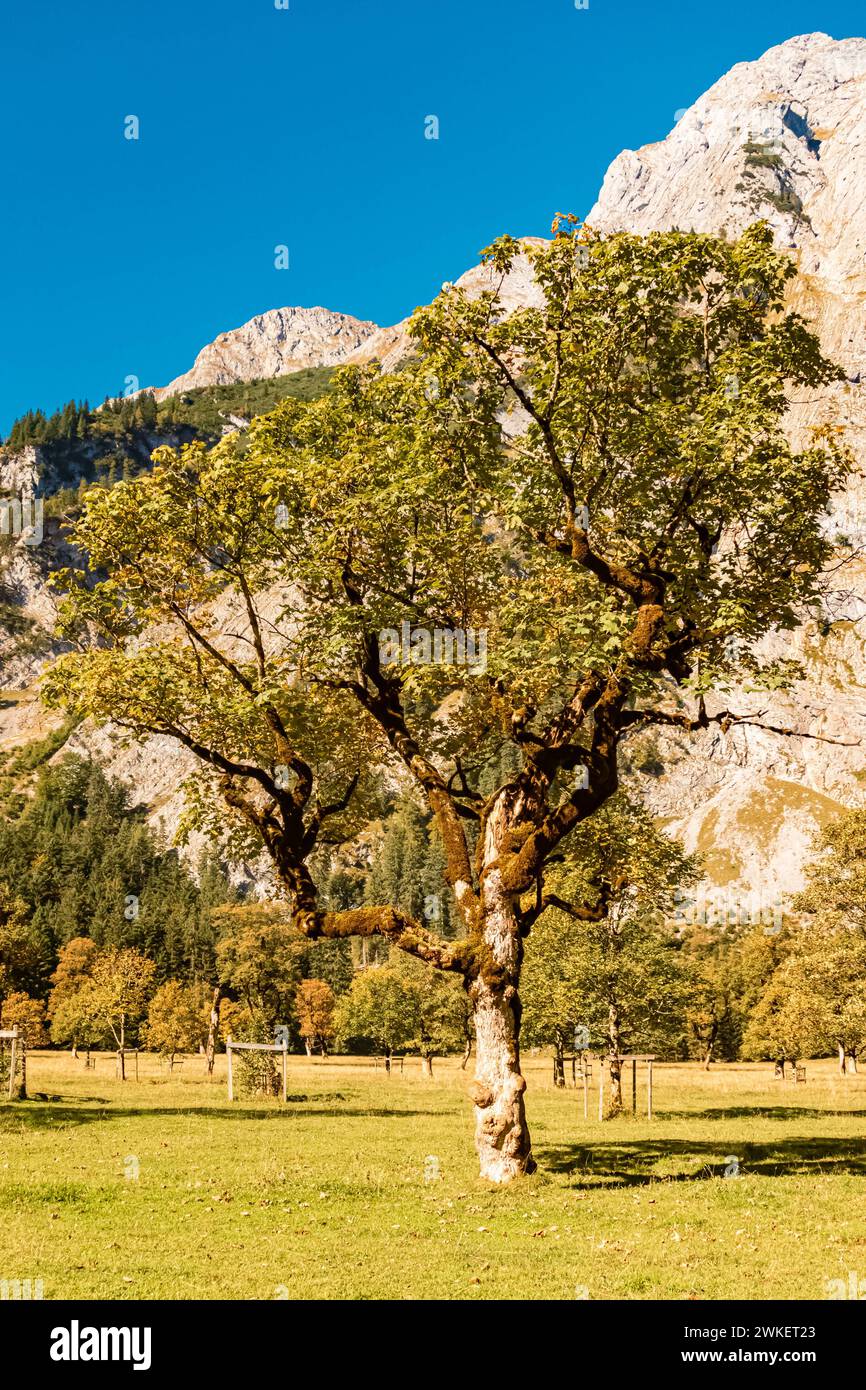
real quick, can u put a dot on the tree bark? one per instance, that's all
(614, 1059)
(852, 1063)
(842, 1061)
(501, 1133)
(213, 1029)
(559, 1060)
(467, 1053)
(427, 1067)
(615, 1102)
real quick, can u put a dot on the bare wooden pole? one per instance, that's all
(583, 1079)
(634, 1085)
(649, 1089)
(601, 1088)
(285, 1074)
(229, 1056)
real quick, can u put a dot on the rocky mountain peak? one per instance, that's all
(781, 138)
(273, 344)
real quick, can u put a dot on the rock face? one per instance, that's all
(273, 344)
(782, 138)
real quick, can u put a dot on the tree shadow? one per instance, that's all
(630, 1163)
(762, 1112)
(40, 1115)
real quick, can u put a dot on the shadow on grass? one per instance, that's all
(36, 1114)
(635, 1163)
(761, 1112)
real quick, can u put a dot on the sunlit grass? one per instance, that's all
(335, 1195)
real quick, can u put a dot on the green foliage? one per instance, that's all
(314, 1003)
(621, 977)
(760, 157)
(82, 863)
(408, 869)
(814, 1002)
(21, 962)
(260, 957)
(404, 1005)
(108, 1003)
(177, 1018)
(204, 411)
(27, 1015)
(395, 472)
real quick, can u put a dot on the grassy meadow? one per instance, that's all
(363, 1187)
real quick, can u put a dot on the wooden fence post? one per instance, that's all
(12, 1060)
(285, 1073)
(601, 1088)
(634, 1085)
(649, 1090)
(229, 1056)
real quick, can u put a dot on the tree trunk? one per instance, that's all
(842, 1064)
(121, 1063)
(708, 1057)
(308, 1047)
(467, 1053)
(779, 1069)
(852, 1063)
(559, 1060)
(427, 1067)
(388, 1063)
(614, 1060)
(501, 1132)
(213, 1029)
(615, 1102)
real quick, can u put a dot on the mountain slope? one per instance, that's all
(782, 138)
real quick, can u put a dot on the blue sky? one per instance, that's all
(305, 127)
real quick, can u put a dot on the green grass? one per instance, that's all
(326, 1197)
